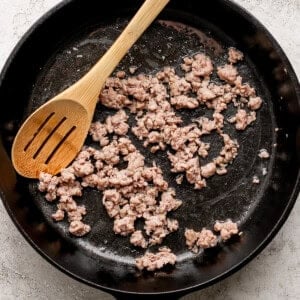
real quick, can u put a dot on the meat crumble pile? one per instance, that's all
(140, 191)
(207, 238)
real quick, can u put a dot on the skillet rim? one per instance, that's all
(285, 214)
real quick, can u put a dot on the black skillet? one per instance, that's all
(47, 60)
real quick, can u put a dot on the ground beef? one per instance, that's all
(227, 229)
(58, 215)
(228, 73)
(138, 190)
(137, 239)
(243, 119)
(98, 132)
(254, 103)
(203, 239)
(206, 239)
(117, 123)
(208, 170)
(196, 240)
(78, 228)
(234, 55)
(154, 261)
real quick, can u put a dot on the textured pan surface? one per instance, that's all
(230, 196)
(107, 260)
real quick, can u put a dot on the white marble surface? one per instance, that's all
(274, 274)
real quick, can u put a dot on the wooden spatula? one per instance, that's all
(53, 135)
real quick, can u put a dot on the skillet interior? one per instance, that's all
(47, 63)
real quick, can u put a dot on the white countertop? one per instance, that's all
(274, 274)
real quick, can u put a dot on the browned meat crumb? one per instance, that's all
(78, 228)
(191, 237)
(137, 239)
(227, 229)
(202, 65)
(234, 55)
(242, 119)
(140, 191)
(208, 170)
(117, 123)
(187, 64)
(203, 239)
(154, 261)
(59, 215)
(125, 225)
(263, 153)
(244, 90)
(228, 152)
(48, 184)
(228, 73)
(206, 239)
(183, 101)
(98, 132)
(254, 103)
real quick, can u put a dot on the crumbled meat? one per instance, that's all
(244, 90)
(117, 123)
(254, 103)
(183, 101)
(263, 153)
(48, 184)
(98, 132)
(208, 170)
(242, 119)
(137, 239)
(228, 73)
(234, 55)
(206, 239)
(113, 94)
(76, 215)
(227, 229)
(191, 237)
(168, 201)
(58, 215)
(133, 189)
(154, 261)
(204, 94)
(125, 225)
(203, 239)
(78, 228)
(202, 65)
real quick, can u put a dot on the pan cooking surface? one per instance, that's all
(56, 53)
(230, 196)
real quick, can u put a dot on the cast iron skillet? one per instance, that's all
(46, 61)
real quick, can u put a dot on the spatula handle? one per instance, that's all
(93, 81)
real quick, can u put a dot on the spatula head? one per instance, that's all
(50, 138)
